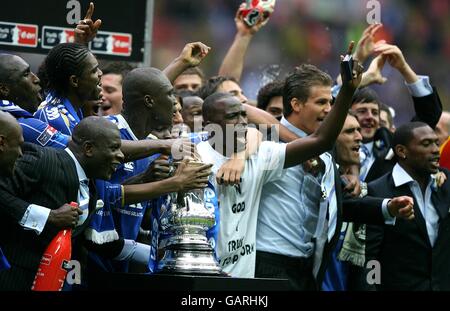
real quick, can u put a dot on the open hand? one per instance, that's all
(192, 175)
(366, 43)
(373, 74)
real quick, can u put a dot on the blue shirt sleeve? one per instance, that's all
(40, 133)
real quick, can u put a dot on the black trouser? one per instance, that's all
(297, 270)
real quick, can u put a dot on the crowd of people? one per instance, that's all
(313, 182)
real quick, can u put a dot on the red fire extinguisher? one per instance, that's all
(52, 270)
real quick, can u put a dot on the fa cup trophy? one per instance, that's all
(183, 237)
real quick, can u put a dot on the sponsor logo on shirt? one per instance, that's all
(46, 135)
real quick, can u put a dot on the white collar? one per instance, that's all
(292, 128)
(401, 177)
(80, 171)
(325, 157)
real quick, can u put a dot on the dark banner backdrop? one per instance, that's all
(36, 26)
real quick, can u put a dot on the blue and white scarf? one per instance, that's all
(13, 109)
(101, 228)
(59, 113)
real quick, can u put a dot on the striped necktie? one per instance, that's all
(364, 156)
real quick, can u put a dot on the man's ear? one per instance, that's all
(148, 101)
(401, 152)
(73, 81)
(296, 104)
(4, 91)
(88, 149)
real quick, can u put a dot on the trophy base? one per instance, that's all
(190, 262)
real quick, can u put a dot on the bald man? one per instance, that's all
(20, 96)
(52, 177)
(149, 107)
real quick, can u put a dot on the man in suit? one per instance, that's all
(12, 208)
(52, 177)
(301, 252)
(376, 158)
(376, 153)
(10, 142)
(240, 204)
(414, 255)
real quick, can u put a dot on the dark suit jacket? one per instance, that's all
(365, 210)
(46, 177)
(428, 109)
(368, 210)
(408, 262)
(43, 176)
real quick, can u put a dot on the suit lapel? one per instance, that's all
(440, 203)
(419, 219)
(70, 174)
(380, 166)
(92, 206)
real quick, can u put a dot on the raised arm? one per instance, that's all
(364, 49)
(261, 117)
(233, 63)
(186, 178)
(366, 44)
(373, 74)
(86, 29)
(427, 103)
(396, 59)
(191, 55)
(135, 150)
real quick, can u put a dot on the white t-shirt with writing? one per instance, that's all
(236, 247)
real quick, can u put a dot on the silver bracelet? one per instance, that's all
(363, 186)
